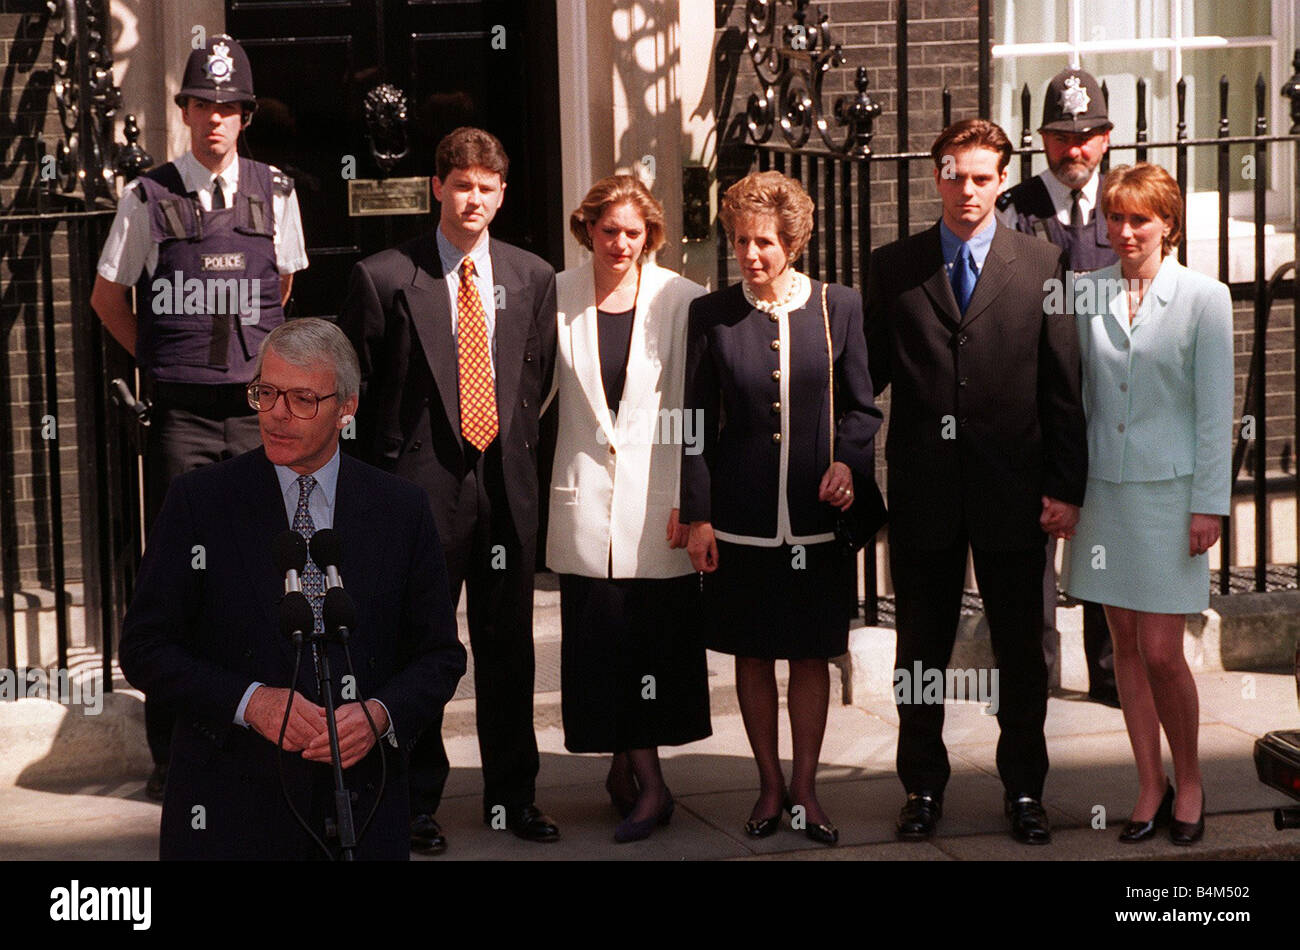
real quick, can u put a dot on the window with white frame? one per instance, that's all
(1120, 41)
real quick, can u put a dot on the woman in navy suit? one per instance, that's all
(1156, 340)
(763, 497)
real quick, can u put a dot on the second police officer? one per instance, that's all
(210, 241)
(1060, 205)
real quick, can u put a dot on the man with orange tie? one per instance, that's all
(455, 333)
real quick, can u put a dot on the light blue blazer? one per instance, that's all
(1158, 394)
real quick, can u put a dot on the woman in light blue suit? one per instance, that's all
(1156, 340)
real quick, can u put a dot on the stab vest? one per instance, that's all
(1031, 204)
(201, 316)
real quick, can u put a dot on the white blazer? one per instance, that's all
(616, 480)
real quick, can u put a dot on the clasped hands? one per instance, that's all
(307, 732)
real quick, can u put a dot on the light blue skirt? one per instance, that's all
(1130, 548)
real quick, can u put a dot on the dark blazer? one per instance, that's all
(733, 378)
(398, 316)
(985, 415)
(203, 625)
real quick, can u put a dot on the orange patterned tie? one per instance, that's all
(478, 399)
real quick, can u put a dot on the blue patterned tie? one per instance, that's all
(313, 581)
(963, 277)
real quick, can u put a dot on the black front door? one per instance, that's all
(488, 63)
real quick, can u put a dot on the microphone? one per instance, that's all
(326, 552)
(290, 552)
(339, 612)
(296, 618)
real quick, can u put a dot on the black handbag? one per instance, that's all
(867, 515)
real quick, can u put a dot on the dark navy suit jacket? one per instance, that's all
(734, 377)
(203, 625)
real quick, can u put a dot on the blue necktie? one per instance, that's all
(963, 277)
(313, 581)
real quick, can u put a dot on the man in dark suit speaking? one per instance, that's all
(986, 450)
(455, 332)
(202, 630)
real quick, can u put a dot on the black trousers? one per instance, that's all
(927, 588)
(485, 556)
(189, 427)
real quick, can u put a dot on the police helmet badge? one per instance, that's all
(1074, 98)
(220, 65)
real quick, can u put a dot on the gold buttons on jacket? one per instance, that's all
(776, 408)
(776, 437)
(776, 344)
(776, 375)
(773, 317)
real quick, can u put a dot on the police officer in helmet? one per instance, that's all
(210, 241)
(1060, 205)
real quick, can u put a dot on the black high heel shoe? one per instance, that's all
(1189, 832)
(823, 834)
(1135, 831)
(766, 827)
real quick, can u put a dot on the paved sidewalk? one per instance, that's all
(715, 785)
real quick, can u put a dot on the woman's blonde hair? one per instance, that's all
(770, 193)
(610, 192)
(1145, 187)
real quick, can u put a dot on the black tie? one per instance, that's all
(219, 197)
(1076, 213)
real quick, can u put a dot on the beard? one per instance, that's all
(1072, 174)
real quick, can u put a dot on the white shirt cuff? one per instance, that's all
(243, 705)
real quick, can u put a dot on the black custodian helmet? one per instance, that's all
(218, 72)
(1074, 103)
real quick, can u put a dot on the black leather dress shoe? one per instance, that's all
(920, 813)
(156, 787)
(427, 836)
(528, 822)
(1188, 832)
(1135, 831)
(1029, 824)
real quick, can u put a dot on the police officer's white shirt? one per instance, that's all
(450, 256)
(130, 251)
(1060, 195)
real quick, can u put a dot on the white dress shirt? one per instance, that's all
(130, 250)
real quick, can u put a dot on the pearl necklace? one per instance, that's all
(798, 289)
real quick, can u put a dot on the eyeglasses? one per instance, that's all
(302, 403)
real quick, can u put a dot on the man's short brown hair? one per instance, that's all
(972, 133)
(468, 147)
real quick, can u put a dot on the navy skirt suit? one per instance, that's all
(759, 384)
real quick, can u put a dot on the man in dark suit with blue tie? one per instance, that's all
(202, 630)
(986, 451)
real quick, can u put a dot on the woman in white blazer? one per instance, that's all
(633, 673)
(1156, 341)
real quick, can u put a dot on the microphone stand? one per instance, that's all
(341, 826)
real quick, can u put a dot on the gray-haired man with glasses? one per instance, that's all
(202, 633)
